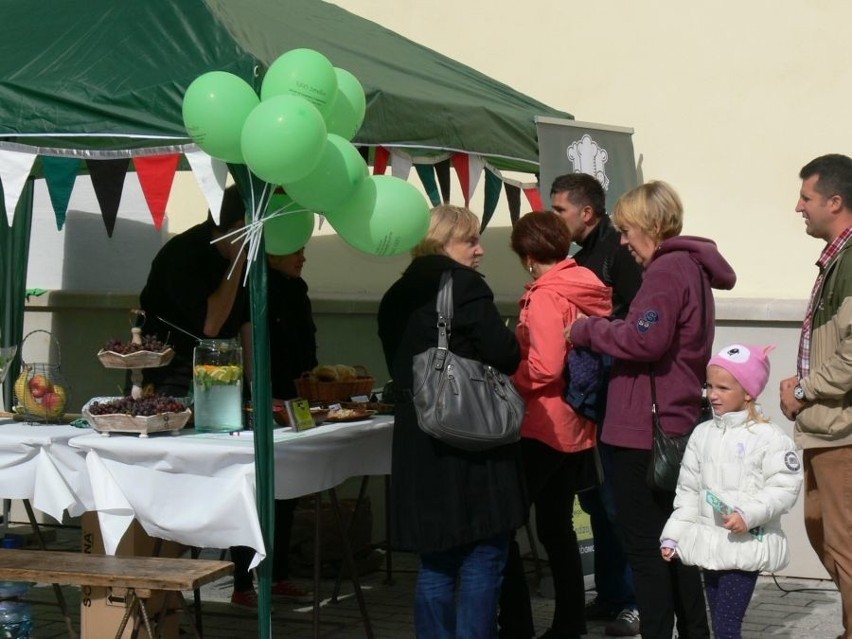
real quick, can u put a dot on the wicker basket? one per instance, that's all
(315, 390)
(41, 390)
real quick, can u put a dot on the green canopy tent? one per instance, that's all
(104, 80)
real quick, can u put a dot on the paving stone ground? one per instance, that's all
(791, 608)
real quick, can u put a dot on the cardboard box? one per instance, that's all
(101, 609)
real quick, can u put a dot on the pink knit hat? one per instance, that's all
(749, 364)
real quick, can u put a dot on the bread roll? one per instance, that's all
(326, 373)
(346, 373)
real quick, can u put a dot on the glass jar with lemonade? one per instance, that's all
(217, 381)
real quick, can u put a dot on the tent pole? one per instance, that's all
(261, 393)
(15, 247)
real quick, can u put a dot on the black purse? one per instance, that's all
(666, 451)
(463, 402)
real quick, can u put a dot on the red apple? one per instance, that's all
(39, 385)
(52, 401)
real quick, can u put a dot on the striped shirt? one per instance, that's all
(828, 253)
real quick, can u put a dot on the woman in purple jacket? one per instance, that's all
(669, 329)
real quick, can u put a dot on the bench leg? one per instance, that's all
(135, 601)
(57, 590)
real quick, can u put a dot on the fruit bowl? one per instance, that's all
(143, 425)
(138, 359)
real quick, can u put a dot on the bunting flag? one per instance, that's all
(212, 177)
(513, 198)
(400, 165)
(442, 171)
(15, 168)
(156, 177)
(380, 160)
(469, 170)
(533, 196)
(492, 196)
(60, 174)
(108, 182)
(156, 174)
(430, 185)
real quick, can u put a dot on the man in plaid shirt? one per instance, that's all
(819, 397)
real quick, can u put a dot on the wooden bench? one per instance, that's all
(139, 575)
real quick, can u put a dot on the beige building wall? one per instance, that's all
(728, 99)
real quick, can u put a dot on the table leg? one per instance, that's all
(349, 526)
(317, 560)
(350, 562)
(57, 590)
(389, 555)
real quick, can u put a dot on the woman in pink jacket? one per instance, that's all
(557, 444)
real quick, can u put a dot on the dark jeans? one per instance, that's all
(663, 589)
(553, 478)
(457, 591)
(613, 577)
(728, 595)
(242, 555)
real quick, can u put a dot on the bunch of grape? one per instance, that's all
(149, 343)
(142, 407)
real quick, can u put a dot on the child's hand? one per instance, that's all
(734, 522)
(668, 553)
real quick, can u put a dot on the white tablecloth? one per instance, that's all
(199, 489)
(36, 463)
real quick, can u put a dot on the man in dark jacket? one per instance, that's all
(579, 199)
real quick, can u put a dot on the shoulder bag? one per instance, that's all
(666, 451)
(459, 401)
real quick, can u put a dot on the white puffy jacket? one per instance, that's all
(752, 467)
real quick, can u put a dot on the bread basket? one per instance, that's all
(314, 390)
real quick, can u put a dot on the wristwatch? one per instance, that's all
(799, 393)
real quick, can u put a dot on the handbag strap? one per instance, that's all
(654, 411)
(444, 307)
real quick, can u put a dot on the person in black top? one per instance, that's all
(292, 350)
(195, 291)
(579, 199)
(191, 294)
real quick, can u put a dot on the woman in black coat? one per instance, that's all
(456, 509)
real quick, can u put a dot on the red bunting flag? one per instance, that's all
(533, 196)
(380, 160)
(156, 174)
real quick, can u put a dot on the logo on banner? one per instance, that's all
(588, 157)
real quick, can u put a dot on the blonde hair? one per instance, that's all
(654, 207)
(754, 414)
(447, 223)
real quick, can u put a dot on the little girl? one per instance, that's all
(740, 473)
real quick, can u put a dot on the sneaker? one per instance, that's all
(596, 611)
(244, 599)
(289, 590)
(626, 624)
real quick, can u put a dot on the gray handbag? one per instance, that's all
(463, 402)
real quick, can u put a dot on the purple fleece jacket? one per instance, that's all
(664, 327)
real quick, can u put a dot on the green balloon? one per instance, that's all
(340, 170)
(304, 73)
(283, 139)
(350, 105)
(287, 233)
(215, 107)
(385, 216)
